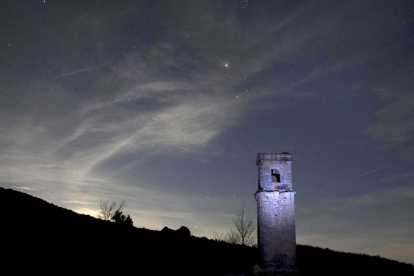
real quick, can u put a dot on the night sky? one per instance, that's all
(166, 104)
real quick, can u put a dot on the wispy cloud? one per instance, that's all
(24, 188)
(395, 121)
(382, 196)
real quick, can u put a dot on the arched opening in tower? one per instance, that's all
(275, 176)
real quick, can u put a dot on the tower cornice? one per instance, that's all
(284, 156)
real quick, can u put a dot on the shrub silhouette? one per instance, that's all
(183, 232)
(122, 219)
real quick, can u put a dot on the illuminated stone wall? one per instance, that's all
(276, 213)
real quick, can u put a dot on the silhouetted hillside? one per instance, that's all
(39, 236)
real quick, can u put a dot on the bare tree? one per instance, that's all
(245, 228)
(244, 232)
(232, 237)
(108, 210)
(218, 236)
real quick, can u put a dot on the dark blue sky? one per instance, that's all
(166, 104)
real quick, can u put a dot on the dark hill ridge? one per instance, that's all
(41, 237)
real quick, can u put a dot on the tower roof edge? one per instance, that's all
(284, 156)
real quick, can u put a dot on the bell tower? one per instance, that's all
(276, 213)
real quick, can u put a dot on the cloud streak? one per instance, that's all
(81, 70)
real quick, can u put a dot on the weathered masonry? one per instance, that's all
(276, 213)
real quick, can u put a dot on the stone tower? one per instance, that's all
(276, 213)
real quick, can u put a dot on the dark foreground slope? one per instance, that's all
(39, 236)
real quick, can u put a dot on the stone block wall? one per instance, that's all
(276, 229)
